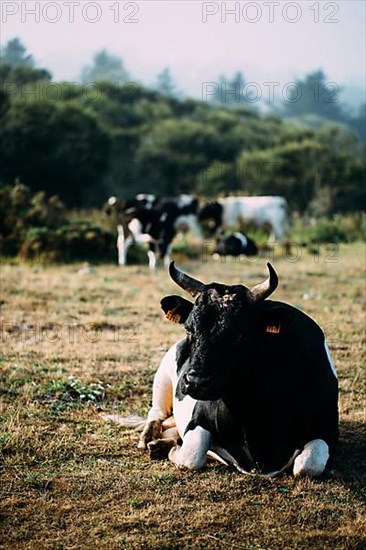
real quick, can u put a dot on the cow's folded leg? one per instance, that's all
(153, 430)
(193, 451)
(159, 449)
(159, 416)
(312, 460)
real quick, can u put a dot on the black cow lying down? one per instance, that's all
(236, 245)
(252, 383)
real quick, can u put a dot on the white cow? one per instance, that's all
(229, 211)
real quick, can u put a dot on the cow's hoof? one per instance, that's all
(152, 431)
(160, 448)
(312, 460)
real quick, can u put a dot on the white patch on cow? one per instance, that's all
(112, 201)
(183, 411)
(242, 238)
(165, 381)
(312, 460)
(260, 210)
(193, 452)
(184, 199)
(135, 227)
(330, 359)
(148, 197)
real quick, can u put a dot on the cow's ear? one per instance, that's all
(176, 308)
(277, 320)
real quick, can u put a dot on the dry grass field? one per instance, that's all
(76, 346)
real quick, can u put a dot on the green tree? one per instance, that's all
(173, 153)
(105, 67)
(320, 175)
(358, 123)
(15, 53)
(166, 85)
(22, 74)
(314, 95)
(232, 92)
(55, 147)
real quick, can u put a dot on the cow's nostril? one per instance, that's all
(191, 380)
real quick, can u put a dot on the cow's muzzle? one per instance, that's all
(198, 387)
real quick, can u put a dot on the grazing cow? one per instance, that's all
(183, 209)
(252, 382)
(236, 245)
(147, 219)
(230, 211)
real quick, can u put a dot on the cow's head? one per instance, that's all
(216, 324)
(211, 214)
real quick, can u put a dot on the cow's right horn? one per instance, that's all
(263, 290)
(186, 282)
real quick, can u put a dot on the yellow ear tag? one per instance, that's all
(174, 317)
(273, 329)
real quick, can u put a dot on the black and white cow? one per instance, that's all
(152, 220)
(251, 382)
(182, 210)
(228, 212)
(236, 245)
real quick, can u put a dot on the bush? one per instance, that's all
(338, 229)
(327, 231)
(68, 243)
(36, 227)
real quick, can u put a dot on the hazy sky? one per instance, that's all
(268, 41)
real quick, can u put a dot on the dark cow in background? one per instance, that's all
(251, 382)
(236, 245)
(226, 213)
(152, 220)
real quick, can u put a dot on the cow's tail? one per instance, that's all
(133, 422)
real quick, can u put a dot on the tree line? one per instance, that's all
(108, 135)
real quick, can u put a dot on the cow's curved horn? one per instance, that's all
(186, 282)
(263, 290)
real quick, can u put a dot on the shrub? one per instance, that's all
(36, 227)
(337, 229)
(68, 243)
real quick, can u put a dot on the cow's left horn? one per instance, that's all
(186, 282)
(263, 290)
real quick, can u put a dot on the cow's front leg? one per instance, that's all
(159, 416)
(312, 460)
(193, 451)
(159, 448)
(123, 244)
(153, 430)
(167, 257)
(152, 259)
(156, 429)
